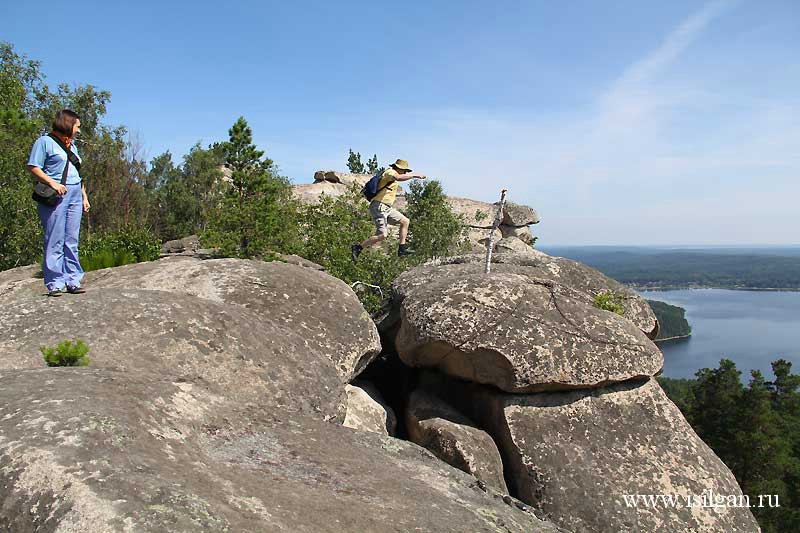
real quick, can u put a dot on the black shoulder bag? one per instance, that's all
(45, 194)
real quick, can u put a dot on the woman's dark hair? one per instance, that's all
(64, 121)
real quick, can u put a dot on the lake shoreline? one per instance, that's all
(675, 338)
(751, 328)
(666, 288)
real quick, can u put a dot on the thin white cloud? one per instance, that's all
(636, 161)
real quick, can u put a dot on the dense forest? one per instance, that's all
(229, 193)
(754, 429)
(671, 320)
(651, 268)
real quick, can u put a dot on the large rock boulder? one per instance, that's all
(476, 214)
(453, 438)
(519, 215)
(188, 245)
(581, 458)
(515, 330)
(320, 308)
(303, 332)
(582, 282)
(522, 233)
(99, 450)
(180, 338)
(513, 245)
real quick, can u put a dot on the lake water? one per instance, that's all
(752, 328)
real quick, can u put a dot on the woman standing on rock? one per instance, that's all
(54, 162)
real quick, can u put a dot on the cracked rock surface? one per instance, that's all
(320, 309)
(582, 282)
(91, 449)
(213, 402)
(574, 455)
(515, 330)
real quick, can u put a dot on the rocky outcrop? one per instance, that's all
(453, 438)
(581, 425)
(513, 245)
(213, 402)
(188, 245)
(101, 450)
(522, 233)
(576, 457)
(345, 178)
(515, 330)
(478, 216)
(580, 281)
(518, 216)
(319, 307)
(366, 410)
(311, 193)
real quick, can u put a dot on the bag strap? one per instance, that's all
(64, 174)
(71, 157)
(387, 184)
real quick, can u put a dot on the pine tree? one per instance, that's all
(716, 395)
(257, 214)
(354, 163)
(372, 165)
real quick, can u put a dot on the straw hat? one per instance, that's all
(401, 164)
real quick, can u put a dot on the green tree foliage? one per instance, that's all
(753, 429)
(132, 244)
(187, 195)
(115, 175)
(66, 353)
(671, 320)
(678, 390)
(257, 213)
(435, 231)
(333, 225)
(372, 165)
(354, 163)
(718, 391)
(21, 92)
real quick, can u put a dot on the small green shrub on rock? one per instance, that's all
(610, 301)
(115, 248)
(66, 353)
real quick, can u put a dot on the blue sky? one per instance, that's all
(626, 122)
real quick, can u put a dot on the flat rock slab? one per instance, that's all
(321, 309)
(454, 438)
(514, 331)
(103, 451)
(583, 282)
(574, 456)
(183, 338)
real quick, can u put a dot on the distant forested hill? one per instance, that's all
(671, 319)
(642, 267)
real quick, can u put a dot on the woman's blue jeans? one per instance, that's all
(62, 226)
